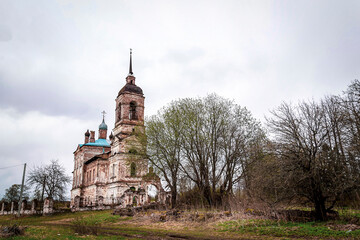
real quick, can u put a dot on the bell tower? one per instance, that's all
(129, 111)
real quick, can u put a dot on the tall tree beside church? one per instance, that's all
(208, 140)
(164, 145)
(219, 140)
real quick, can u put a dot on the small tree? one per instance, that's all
(12, 194)
(50, 180)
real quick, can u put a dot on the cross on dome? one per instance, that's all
(103, 125)
(103, 113)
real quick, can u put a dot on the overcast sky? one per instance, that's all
(63, 62)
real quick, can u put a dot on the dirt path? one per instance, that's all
(151, 235)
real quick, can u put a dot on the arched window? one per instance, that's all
(132, 111)
(119, 112)
(134, 201)
(133, 169)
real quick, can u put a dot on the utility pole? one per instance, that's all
(42, 193)
(21, 191)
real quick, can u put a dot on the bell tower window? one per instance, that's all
(119, 112)
(132, 111)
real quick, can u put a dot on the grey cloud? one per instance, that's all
(5, 33)
(183, 56)
(46, 98)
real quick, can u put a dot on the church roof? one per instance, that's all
(130, 81)
(103, 125)
(131, 88)
(97, 143)
(103, 156)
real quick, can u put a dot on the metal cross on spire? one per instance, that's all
(103, 113)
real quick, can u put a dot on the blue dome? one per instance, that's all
(103, 125)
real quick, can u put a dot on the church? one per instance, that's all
(113, 170)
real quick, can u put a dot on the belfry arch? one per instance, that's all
(132, 111)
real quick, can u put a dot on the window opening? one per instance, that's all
(119, 112)
(132, 112)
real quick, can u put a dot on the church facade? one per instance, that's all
(113, 171)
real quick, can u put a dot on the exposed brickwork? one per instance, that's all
(102, 133)
(102, 175)
(87, 135)
(92, 136)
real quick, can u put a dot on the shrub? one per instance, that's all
(13, 230)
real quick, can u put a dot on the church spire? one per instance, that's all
(130, 79)
(130, 66)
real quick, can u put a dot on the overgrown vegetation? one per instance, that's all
(193, 224)
(210, 151)
(290, 229)
(205, 144)
(86, 226)
(314, 156)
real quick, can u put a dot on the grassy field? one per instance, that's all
(103, 225)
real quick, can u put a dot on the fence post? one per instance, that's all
(48, 206)
(22, 209)
(33, 207)
(2, 208)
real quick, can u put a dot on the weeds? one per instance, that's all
(285, 229)
(86, 226)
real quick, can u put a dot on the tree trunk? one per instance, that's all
(320, 210)
(207, 195)
(173, 197)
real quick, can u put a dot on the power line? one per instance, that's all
(11, 166)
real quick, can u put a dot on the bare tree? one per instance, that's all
(50, 180)
(351, 104)
(311, 153)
